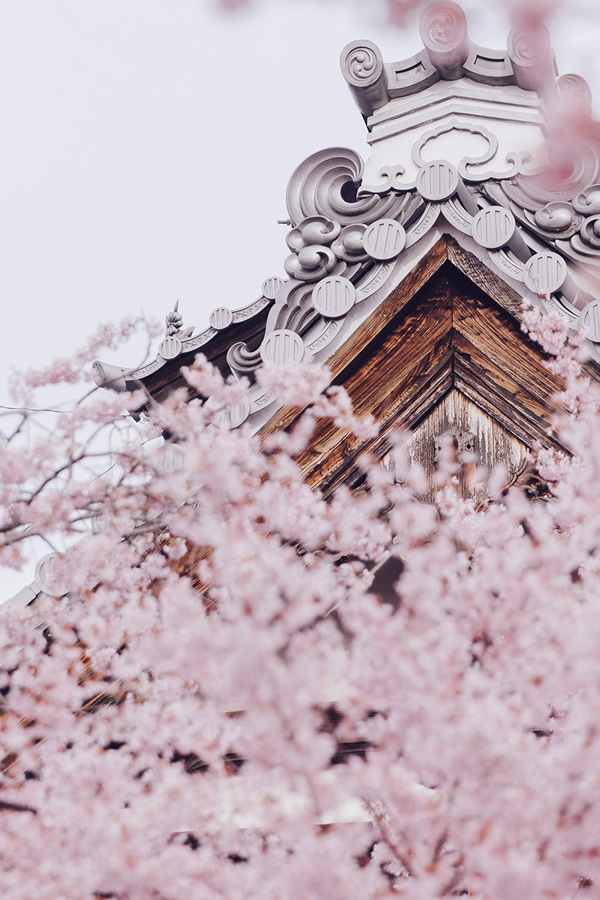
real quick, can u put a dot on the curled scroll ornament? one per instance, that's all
(590, 232)
(569, 175)
(557, 217)
(362, 64)
(328, 184)
(588, 200)
(528, 47)
(443, 27)
(312, 258)
(350, 245)
(242, 360)
(575, 89)
(467, 162)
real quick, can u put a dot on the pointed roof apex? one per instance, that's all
(469, 149)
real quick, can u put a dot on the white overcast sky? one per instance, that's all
(146, 147)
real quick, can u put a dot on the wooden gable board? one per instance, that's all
(450, 326)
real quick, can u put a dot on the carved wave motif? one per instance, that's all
(311, 263)
(590, 232)
(242, 361)
(588, 201)
(567, 175)
(294, 308)
(350, 245)
(558, 218)
(328, 184)
(312, 258)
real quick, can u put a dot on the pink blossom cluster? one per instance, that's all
(245, 690)
(74, 369)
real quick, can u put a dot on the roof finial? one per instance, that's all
(174, 324)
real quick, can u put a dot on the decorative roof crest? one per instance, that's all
(454, 133)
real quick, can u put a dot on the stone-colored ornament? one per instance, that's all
(555, 216)
(172, 458)
(385, 239)
(531, 57)
(221, 318)
(170, 347)
(575, 89)
(233, 414)
(587, 201)
(334, 297)
(437, 181)
(443, 30)
(46, 578)
(362, 66)
(493, 227)
(271, 287)
(590, 319)
(545, 272)
(282, 346)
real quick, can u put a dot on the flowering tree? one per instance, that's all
(222, 696)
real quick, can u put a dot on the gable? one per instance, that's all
(450, 329)
(405, 273)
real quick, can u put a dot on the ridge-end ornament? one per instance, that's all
(576, 90)
(545, 272)
(443, 30)
(334, 297)
(532, 58)
(282, 346)
(493, 227)
(362, 66)
(385, 239)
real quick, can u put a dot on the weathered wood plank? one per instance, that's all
(473, 431)
(485, 279)
(356, 351)
(439, 330)
(502, 344)
(403, 371)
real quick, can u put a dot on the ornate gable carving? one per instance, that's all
(457, 135)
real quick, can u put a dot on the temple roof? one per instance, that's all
(462, 143)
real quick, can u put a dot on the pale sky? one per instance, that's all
(146, 147)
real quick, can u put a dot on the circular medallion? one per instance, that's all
(171, 458)
(493, 227)
(233, 414)
(220, 318)
(170, 348)
(271, 287)
(282, 346)
(334, 297)
(590, 318)
(45, 576)
(437, 181)
(545, 272)
(384, 239)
